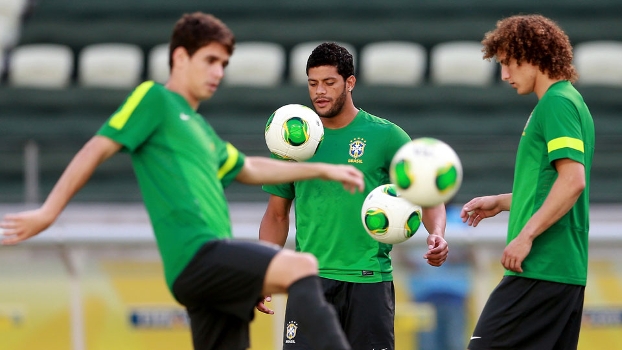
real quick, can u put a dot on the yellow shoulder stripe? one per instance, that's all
(565, 142)
(232, 159)
(119, 119)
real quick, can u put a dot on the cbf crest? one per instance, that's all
(290, 332)
(357, 149)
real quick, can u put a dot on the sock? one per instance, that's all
(316, 316)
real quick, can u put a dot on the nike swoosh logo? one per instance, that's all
(475, 338)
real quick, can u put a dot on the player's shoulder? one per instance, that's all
(561, 99)
(148, 93)
(150, 88)
(380, 125)
(154, 88)
(562, 92)
(373, 119)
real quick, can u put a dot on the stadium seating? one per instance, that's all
(10, 22)
(110, 65)
(12, 8)
(42, 66)
(289, 23)
(9, 32)
(158, 64)
(460, 63)
(2, 62)
(256, 64)
(467, 107)
(599, 63)
(393, 63)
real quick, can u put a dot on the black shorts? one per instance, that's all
(525, 313)
(366, 312)
(220, 287)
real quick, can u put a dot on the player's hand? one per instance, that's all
(261, 306)
(21, 226)
(350, 177)
(480, 208)
(437, 250)
(515, 253)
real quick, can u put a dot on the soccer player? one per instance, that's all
(182, 167)
(355, 269)
(539, 302)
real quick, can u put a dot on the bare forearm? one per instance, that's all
(274, 231)
(261, 170)
(561, 198)
(274, 225)
(77, 173)
(435, 220)
(504, 201)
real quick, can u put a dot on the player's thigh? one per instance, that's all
(367, 313)
(225, 275)
(569, 338)
(526, 313)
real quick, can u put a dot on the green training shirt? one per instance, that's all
(181, 166)
(328, 218)
(560, 126)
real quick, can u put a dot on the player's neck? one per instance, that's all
(178, 88)
(179, 85)
(542, 84)
(343, 119)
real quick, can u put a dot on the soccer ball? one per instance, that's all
(426, 171)
(294, 132)
(387, 217)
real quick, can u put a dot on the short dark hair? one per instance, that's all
(195, 30)
(331, 54)
(534, 39)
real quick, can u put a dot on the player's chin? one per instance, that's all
(322, 109)
(206, 95)
(210, 89)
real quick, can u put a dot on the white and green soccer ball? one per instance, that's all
(387, 217)
(426, 171)
(294, 132)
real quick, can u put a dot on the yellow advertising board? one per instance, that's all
(34, 303)
(123, 303)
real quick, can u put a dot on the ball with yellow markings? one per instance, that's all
(426, 171)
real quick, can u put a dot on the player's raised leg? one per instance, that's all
(296, 274)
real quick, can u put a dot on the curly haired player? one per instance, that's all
(539, 302)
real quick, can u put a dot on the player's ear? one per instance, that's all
(180, 56)
(350, 82)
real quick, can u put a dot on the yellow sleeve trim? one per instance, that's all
(119, 119)
(232, 159)
(565, 142)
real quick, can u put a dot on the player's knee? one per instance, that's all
(287, 267)
(308, 263)
(304, 265)
(301, 264)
